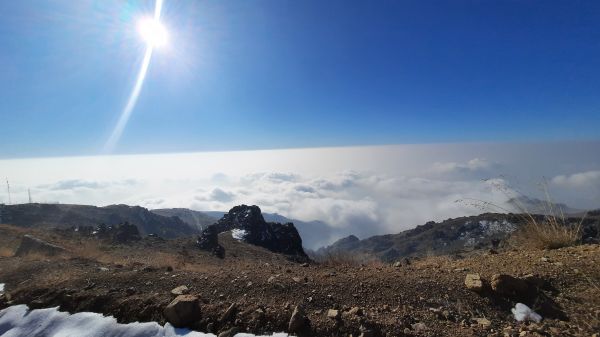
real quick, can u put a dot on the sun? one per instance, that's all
(153, 32)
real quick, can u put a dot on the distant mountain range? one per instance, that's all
(537, 206)
(65, 216)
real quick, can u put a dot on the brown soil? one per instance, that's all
(133, 283)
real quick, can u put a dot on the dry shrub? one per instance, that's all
(551, 232)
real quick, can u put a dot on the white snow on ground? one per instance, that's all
(19, 321)
(238, 234)
(523, 313)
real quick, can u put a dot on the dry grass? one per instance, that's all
(551, 230)
(548, 233)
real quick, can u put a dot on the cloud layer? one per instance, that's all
(361, 191)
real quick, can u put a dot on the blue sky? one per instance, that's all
(278, 74)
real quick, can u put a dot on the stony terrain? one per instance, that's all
(253, 289)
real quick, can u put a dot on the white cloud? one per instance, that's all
(362, 191)
(589, 178)
(475, 165)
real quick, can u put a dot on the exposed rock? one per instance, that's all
(473, 282)
(482, 322)
(209, 240)
(332, 313)
(181, 290)
(30, 244)
(299, 324)
(355, 311)
(276, 237)
(229, 333)
(183, 310)
(419, 327)
(228, 314)
(509, 286)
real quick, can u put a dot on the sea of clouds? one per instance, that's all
(353, 190)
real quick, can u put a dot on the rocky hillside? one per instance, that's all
(66, 216)
(457, 235)
(247, 224)
(253, 290)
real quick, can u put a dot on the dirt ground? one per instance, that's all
(425, 297)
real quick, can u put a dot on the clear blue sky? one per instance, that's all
(277, 74)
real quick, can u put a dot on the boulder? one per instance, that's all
(299, 324)
(33, 245)
(209, 240)
(473, 282)
(183, 311)
(276, 237)
(510, 287)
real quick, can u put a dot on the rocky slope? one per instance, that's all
(255, 290)
(485, 231)
(66, 216)
(247, 224)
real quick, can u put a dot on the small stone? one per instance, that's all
(355, 311)
(228, 314)
(419, 327)
(483, 322)
(181, 290)
(332, 313)
(473, 282)
(229, 333)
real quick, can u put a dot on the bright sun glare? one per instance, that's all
(153, 32)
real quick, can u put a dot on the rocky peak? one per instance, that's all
(276, 237)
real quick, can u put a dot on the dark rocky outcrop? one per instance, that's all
(276, 237)
(209, 240)
(33, 245)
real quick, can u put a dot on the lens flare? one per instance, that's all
(155, 35)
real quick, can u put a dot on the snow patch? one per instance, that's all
(18, 321)
(523, 313)
(238, 234)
